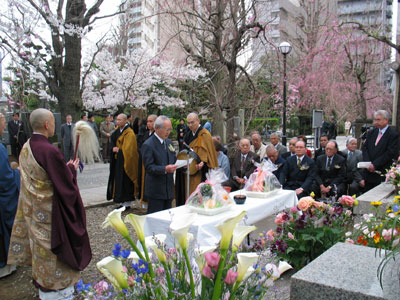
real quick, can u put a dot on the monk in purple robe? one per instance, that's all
(9, 191)
(49, 230)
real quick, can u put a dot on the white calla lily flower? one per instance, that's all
(273, 270)
(159, 251)
(226, 229)
(111, 268)
(114, 220)
(137, 223)
(179, 229)
(245, 261)
(239, 233)
(135, 257)
(284, 266)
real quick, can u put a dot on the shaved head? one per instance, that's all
(123, 116)
(193, 115)
(38, 118)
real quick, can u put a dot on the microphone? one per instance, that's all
(187, 146)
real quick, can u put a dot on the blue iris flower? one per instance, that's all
(138, 279)
(396, 208)
(79, 286)
(117, 250)
(125, 253)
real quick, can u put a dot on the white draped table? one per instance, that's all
(203, 229)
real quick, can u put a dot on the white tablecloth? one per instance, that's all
(203, 228)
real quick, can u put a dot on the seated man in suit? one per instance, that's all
(273, 155)
(330, 172)
(380, 148)
(242, 165)
(275, 140)
(298, 172)
(292, 148)
(323, 140)
(354, 179)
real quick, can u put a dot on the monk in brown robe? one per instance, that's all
(200, 140)
(49, 230)
(123, 180)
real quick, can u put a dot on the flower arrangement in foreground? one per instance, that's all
(380, 229)
(393, 174)
(307, 230)
(172, 274)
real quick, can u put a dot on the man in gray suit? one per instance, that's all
(66, 135)
(275, 140)
(106, 129)
(354, 179)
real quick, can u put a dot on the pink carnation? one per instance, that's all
(270, 235)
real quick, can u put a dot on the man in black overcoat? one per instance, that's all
(17, 135)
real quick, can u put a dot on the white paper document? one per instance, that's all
(182, 162)
(363, 164)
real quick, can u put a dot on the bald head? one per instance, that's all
(121, 120)
(38, 117)
(193, 121)
(42, 121)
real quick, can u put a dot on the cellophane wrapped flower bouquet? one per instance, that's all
(182, 272)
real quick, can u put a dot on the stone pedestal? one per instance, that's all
(347, 272)
(383, 192)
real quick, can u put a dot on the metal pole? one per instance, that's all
(187, 176)
(284, 102)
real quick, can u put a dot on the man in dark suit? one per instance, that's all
(66, 135)
(298, 171)
(242, 165)
(323, 140)
(330, 172)
(380, 148)
(159, 158)
(272, 155)
(354, 180)
(17, 135)
(292, 149)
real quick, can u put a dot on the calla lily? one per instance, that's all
(135, 257)
(114, 220)
(199, 253)
(284, 266)
(245, 261)
(158, 250)
(226, 229)
(138, 224)
(273, 270)
(113, 271)
(239, 233)
(180, 226)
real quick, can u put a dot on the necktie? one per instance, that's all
(298, 162)
(69, 126)
(350, 154)
(165, 146)
(328, 166)
(379, 137)
(16, 122)
(242, 162)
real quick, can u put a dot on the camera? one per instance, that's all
(364, 131)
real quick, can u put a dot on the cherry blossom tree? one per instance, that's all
(135, 79)
(215, 34)
(47, 35)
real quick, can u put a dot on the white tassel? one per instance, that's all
(88, 149)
